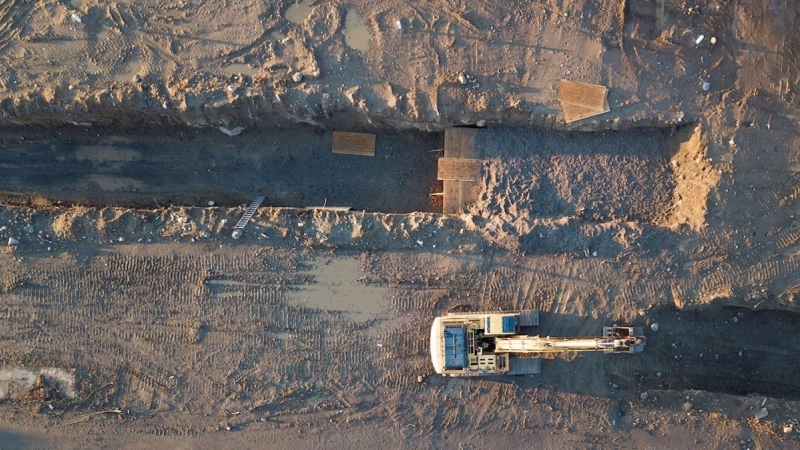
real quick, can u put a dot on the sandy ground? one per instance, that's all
(677, 209)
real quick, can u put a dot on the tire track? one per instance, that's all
(13, 14)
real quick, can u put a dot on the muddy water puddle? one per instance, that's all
(243, 69)
(356, 33)
(299, 12)
(336, 287)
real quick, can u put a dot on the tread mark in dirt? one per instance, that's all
(12, 17)
(269, 28)
(787, 238)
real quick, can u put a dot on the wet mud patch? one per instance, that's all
(719, 349)
(336, 287)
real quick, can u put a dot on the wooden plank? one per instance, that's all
(330, 208)
(452, 201)
(361, 144)
(459, 196)
(590, 96)
(573, 113)
(459, 142)
(459, 169)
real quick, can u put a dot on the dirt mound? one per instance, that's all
(534, 182)
(695, 178)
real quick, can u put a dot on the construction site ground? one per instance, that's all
(133, 135)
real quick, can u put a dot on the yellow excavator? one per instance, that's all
(477, 344)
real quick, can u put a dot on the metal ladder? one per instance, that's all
(251, 210)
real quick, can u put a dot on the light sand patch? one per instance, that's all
(16, 382)
(694, 180)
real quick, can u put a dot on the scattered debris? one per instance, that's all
(420, 379)
(462, 78)
(687, 406)
(706, 86)
(76, 18)
(644, 395)
(211, 203)
(45, 390)
(297, 77)
(699, 39)
(654, 327)
(13, 241)
(232, 132)
(713, 40)
(122, 416)
(398, 24)
(761, 413)
(691, 10)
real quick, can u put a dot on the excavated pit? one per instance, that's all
(726, 349)
(528, 173)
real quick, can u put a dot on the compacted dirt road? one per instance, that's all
(130, 318)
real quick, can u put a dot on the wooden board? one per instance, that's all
(459, 196)
(459, 169)
(573, 113)
(459, 142)
(361, 144)
(590, 96)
